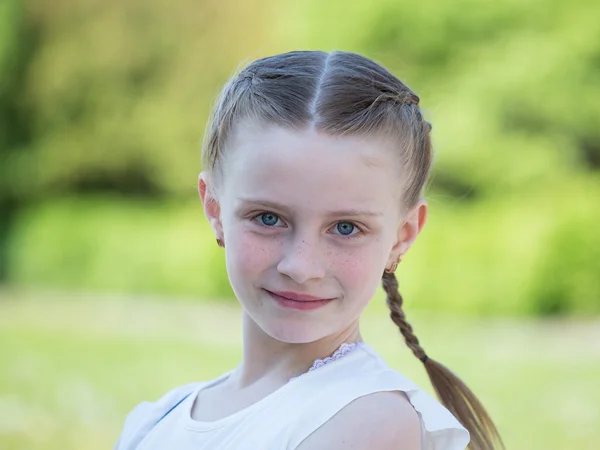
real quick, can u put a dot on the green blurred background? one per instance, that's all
(112, 289)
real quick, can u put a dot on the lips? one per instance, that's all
(299, 297)
(298, 301)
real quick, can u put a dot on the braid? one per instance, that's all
(450, 389)
(394, 301)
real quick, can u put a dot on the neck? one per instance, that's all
(264, 357)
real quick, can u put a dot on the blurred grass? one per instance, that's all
(72, 366)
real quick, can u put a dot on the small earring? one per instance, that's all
(394, 265)
(220, 243)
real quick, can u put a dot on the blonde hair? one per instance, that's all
(343, 93)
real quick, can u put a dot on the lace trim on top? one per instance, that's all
(342, 351)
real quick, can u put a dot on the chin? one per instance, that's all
(293, 333)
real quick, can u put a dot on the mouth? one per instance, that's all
(302, 302)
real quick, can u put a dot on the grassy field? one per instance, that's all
(72, 366)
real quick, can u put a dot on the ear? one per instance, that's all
(212, 208)
(408, 230)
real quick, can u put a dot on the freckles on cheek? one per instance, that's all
(356, 269)
(360, 278)
(252, 254)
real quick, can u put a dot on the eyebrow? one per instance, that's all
(341, 212)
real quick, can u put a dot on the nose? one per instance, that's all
(302, 261)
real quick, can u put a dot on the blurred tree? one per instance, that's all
(515, 86)
(120, 91)
(17, 40)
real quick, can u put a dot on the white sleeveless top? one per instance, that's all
(283, 419)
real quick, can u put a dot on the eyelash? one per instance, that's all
(350, 236)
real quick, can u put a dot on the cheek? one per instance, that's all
(249, 254)
(358, 270)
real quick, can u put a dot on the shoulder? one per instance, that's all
(365, 402)
(163, 404)
(147, 413)
(379, 421)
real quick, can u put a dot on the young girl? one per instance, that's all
(314, 167)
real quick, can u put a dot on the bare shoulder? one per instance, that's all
(378, 421)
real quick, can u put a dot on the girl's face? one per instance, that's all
(310, 222)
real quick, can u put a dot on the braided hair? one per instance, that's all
(450, 389)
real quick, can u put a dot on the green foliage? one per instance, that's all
(512, 256)
(118, 246)
(118, 92)
(10, 31)
(569, 277)
(15, 48)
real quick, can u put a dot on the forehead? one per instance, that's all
(309, 167)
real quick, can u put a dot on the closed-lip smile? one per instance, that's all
(298, 301)
(298, 297)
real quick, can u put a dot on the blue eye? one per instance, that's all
(345, 228)
(268, 219)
